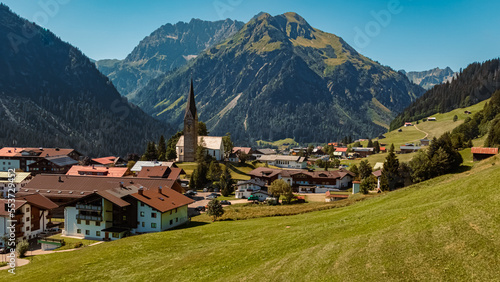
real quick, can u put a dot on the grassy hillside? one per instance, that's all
(413, 134)
(442, 229)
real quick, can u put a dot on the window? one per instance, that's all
(175, 210)
(87, 222)
(87, 232)
(97, 223)
(79, 231)
(153, 225)
(171, 221)
(142, 204)
(142, 214)
(116, 235)
(28, 218)
(143, 224)
(98, 233)
(124, 217)
(153, 215)
(27, 209)
(176, 219)
(78, 221)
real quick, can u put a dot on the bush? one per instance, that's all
(22, 248)
(77, 245)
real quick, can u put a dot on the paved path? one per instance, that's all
(19, 262)
(40, 252)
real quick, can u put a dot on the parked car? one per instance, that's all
(225, 202)
(215, 194)
(210, 197)
(205, 189)
(200, 208)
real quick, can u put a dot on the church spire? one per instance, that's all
(191, 105)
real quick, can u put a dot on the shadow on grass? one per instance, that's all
(236, 170)
(191, 224)
(463, 168)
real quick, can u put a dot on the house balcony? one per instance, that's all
(89, 217)
(88, 207)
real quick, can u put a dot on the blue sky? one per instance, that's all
(404, 34)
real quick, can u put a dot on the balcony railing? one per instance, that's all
(89, 217)
(88, 207)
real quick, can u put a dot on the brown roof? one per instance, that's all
(486, 151)
(4, 212)
(80, 186)
(377, 173)
(270, 172)
(107, 171)
(34, 199)
(161, 172)
(39, 201)
(163, 201)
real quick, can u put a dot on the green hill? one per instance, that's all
(442, 229)
(412, 134)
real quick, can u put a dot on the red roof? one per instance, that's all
(382, 148)
(94, 170)
(41, 152)
(333, 144)
(105, 160)
(485, 151)
(343, 149)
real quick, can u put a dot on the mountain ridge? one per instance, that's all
(165, 49)
(56, 95)
(282, 61)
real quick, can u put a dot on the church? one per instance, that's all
(186, 146)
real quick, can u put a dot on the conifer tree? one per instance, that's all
(390, 172)
(162, 150)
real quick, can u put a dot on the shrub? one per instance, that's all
(22, 248)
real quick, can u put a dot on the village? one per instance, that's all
(60, 195)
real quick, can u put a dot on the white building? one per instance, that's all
(246, 188)
(32, 213)
(213, 144)
(284, 161)
(20, 179)
(107, 215)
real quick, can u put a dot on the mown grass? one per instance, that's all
(71, 243)
(442, 229)
(257, 210)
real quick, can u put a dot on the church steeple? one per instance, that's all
(188, 154)
(191, 105)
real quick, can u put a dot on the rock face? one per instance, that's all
(53, 96)
(166, 49)
(279, 77)
(427, 79)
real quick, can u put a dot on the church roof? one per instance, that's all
(191, 105)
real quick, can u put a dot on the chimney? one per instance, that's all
(141, 191)
(159, 190)
(121, 184)
(60, 180)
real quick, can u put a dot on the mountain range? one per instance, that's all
(279, 77)
(53, 96)
(427, 79)
(166, 49)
